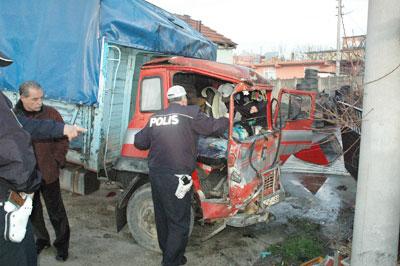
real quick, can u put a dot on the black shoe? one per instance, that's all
(62, 255)
(40, 245)
(183, 261)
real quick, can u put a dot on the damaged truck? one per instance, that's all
(237, 177)
(109, 70)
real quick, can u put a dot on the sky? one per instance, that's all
(275, 25)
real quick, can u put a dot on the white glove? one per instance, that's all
(182, 189)
(16, 221)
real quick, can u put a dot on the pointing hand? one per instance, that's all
(72, 131)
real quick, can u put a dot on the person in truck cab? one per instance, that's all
(171, 135)
(250, 107)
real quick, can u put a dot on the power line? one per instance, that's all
(384, 76)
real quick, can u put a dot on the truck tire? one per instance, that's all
(141, 222)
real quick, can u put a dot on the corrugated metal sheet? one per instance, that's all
(295, 165)
(123, 69)
(115, 108)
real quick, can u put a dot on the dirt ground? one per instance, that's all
(327, 201)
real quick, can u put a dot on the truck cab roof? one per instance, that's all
(234, 73)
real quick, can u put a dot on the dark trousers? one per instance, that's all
(172, 216)
(51, 194)
(17, 254)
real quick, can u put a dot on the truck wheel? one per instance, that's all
(141, 222)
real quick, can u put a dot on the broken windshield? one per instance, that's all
(250, 113)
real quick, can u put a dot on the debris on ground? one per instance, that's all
(111, 194)
(265, 254)
(304, 215)
(302, 246)
(313, 262)
(305, 245)
(327, 261)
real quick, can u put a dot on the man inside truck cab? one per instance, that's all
(250, 107)
(171, 135)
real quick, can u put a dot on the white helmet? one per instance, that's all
(175, 92)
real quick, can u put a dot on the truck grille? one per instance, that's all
(271, 181)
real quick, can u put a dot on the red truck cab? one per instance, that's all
(238, 177)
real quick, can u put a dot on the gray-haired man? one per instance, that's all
(18, 175)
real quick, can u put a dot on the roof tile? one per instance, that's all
(207, 32)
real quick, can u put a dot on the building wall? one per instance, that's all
(284, 71)
(225, 55)
(297, 71)
(268, 72)
(248, 60)
(326, 84)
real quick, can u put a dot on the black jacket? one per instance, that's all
(172, 136)
(17, 159)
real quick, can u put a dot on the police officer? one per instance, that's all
(18, 173)
(172, 135)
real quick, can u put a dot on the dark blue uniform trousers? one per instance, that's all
(172, 216)
(17, 254)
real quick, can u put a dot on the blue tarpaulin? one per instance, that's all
(58, 43)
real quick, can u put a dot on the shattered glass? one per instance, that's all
(212, 150)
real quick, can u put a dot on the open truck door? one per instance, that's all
(253, 166)
(294, 116)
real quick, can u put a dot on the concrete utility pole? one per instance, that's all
(338, 40)
(377, 215)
